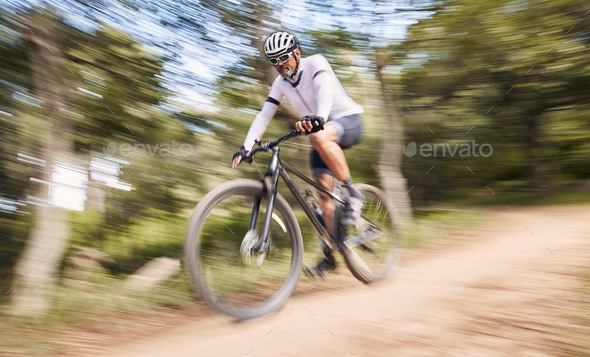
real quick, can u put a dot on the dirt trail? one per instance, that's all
(506, 288)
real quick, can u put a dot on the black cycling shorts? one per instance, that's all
(349, 129)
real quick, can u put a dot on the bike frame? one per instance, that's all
(277, 168)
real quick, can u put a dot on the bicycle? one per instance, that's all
(246, 268)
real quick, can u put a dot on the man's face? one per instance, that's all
(286, 68)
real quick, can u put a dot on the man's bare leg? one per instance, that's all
(327, 204)
(325, 142)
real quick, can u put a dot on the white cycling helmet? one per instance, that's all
(279, 43)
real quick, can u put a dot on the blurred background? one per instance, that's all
(116, 117)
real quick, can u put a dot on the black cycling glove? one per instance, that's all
(245, 154)
(316, 121)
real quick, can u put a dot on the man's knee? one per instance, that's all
(324, 137)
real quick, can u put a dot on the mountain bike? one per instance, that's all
(244, 249)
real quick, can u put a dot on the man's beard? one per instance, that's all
(286, 74)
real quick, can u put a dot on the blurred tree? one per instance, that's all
(502, 74)
(371, 39)
(119, 96)
(36, 269)
(390, 163)
(93, 88)
(242, 90)
(14, 100)
(244, 86)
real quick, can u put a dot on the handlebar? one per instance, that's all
(270, 145)
(317, 124)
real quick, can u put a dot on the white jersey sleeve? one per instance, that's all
(263, 118)
(323, 79)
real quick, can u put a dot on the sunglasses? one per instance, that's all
(282, 58)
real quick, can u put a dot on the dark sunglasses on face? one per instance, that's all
(282, 58)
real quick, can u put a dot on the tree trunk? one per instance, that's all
(36, 269)
(390, 161)
(536, 167)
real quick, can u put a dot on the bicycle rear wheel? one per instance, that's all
(232, 282)
(371, 248)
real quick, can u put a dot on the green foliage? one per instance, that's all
(156, 233)
(500, 74)
(114, 89)
(15, 100)
(513, 74)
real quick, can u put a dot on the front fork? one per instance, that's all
(272, 175)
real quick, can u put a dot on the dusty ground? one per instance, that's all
(513, 286)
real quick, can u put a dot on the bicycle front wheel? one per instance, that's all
(216, 251)
(371, 248)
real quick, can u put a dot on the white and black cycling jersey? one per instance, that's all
(315, 90)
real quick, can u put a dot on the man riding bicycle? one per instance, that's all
(312, 88)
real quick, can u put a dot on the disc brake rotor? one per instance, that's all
(250, 256)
